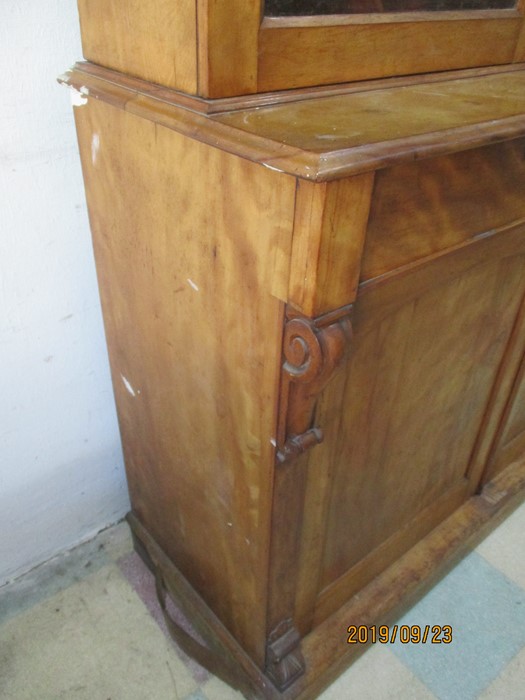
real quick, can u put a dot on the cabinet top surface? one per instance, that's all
(345, 130)
(356, 119)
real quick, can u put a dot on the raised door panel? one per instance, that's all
(402, 421)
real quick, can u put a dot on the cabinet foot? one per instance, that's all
(284, 660)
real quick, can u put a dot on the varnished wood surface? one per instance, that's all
(155, 40)
(391, 593)
(519, 54)
(325, 649)
(376, 14)
(515, 423)
(219, 105)
(357, 132)
(221, 49)
(302, 56)
(194, 335)
(235, 666)
(329, 234)
(399, 435)
(200, 238)
(228, 46)
(509, 444)
(352, 121)
(488, 458)
(419, 209)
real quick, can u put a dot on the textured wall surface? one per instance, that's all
(61, 472)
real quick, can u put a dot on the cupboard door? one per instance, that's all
(403, 419)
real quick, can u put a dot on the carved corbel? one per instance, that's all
(284, 659)
(312, 350)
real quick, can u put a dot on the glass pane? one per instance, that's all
(283, 8)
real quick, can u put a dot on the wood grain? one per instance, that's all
(228, 36)
(519, 54)
(488, 457)
(407, 433)
(509, 444)
(359, 119)
(515, 421)
(303, 56)
(155, 41)
(404, 200)
(415, 530)
(329, 234)
(229, 660)
(419, 209)
(384, 600)
(220, 49)
(194, 336)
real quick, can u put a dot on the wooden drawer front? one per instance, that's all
(420, 209)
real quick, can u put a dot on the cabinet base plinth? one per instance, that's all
(325, 650)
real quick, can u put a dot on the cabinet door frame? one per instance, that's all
(240, 51)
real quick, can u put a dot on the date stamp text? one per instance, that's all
(406, 634)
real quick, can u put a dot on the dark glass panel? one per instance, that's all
(286, 8)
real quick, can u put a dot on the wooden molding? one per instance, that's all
(454, 126)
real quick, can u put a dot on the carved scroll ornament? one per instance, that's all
(312, 351)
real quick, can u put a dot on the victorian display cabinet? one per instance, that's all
(309, 228)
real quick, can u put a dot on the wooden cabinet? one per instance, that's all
(315, 310)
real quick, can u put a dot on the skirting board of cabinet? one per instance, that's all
(325, 649)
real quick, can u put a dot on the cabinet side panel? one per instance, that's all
(186, 238)
(154, 41)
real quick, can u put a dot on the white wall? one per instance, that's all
(61, 473)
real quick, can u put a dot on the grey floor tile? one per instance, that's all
(62, 571)
(215, 689)
(83, 627)
(93, 641)
(377, 675)
(487, 613)
(510, 684)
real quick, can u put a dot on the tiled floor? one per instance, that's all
(85, 626)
